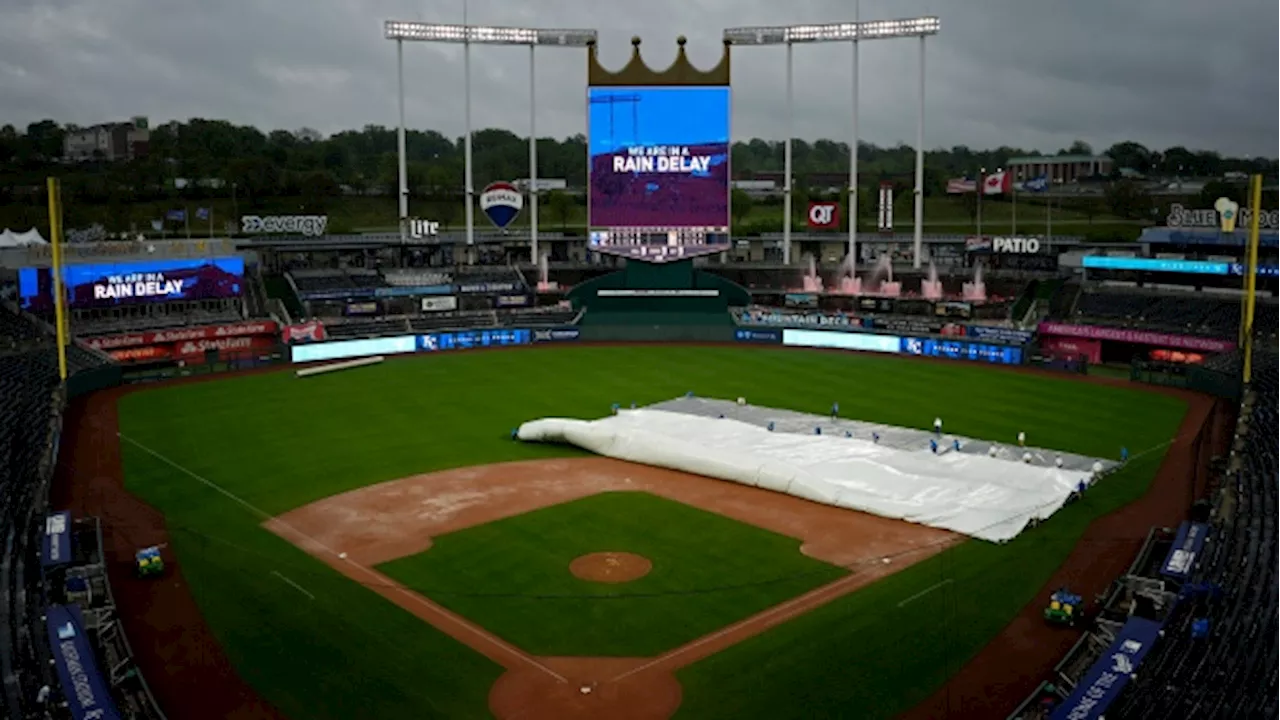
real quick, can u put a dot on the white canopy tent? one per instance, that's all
(9, 238)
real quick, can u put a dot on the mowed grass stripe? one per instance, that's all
(512, 576)
(279, 443)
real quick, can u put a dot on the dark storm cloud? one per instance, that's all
(1034, 73)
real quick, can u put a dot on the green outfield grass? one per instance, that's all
(512, 577)
(278, 443)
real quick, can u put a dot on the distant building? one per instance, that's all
(111, 142)
(1061, 168)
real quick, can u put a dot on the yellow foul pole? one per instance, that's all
(60, 311)
(1251, 272)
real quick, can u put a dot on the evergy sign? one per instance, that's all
(309, 225)
(1139, 337)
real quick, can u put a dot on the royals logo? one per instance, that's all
(501, 202)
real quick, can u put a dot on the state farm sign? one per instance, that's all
(824, 215)
(157, 337)
(1015, 245)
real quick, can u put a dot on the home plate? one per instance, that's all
(585, 689)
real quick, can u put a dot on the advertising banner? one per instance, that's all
(1061, 347)
(906, 326)
(977, 244)
(557, 335)
(469, 339)
(824, 215)
(226, 347)
(884, 215)
(657, 292)
(83, 686)
(1108, 676)
(1192, 267)
(757, 336)
(1138, 337)
(510, 301)
(205, 332)
(421, 229)
(963, 350)
(346, 349)
(484, 288)
(311, 331)
(389, 292)
(144, 353)
(659, 157)
(841, 340)
(308, 225)
(97, 285)
(999, 334)
(368, 307)
(448, 303)
(194, 350)
(343, 294)
(800, 300)
(55, 548)
(1187, 545)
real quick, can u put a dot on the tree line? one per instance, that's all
(217, 158)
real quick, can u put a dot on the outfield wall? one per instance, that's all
(789, 337)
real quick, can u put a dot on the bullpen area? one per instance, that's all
(376, 543)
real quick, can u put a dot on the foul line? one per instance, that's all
(381, 579)
(925, 591)
(832, 587)
(294, 585)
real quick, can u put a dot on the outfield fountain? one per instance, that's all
(812, 281)
(850, 283)
(931, 288)
(975, 291)
(880, 280)
(544, 284)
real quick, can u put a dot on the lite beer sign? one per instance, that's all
(1226, 216)
(419, 229)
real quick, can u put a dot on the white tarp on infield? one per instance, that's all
(991, 498)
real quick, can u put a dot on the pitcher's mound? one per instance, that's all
(610, 567)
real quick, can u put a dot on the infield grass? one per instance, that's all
(278, 442)
(512, 576)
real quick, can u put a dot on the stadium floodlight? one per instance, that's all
(854, 33)
(466, 35)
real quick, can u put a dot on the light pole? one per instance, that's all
(853, 153)
(855, 32)
(467, 35)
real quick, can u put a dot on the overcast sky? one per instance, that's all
(1024, 73)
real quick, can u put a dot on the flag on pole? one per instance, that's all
(959, 186)
(206, 214)
(1036, 184)
(997, 183)
(157, 225)
(176, 216)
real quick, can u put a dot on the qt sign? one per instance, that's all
(501, 202)
(824, 215)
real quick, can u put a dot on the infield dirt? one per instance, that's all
(357, 530)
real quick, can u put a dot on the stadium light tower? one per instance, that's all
(854, 32)
(468, 35)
